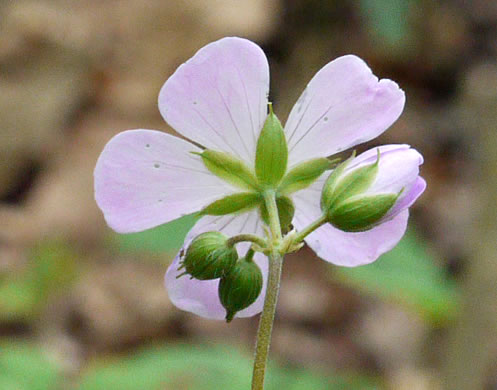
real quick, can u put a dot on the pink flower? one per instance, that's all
(218, 99)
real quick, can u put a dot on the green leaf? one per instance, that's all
(303, 175)
(361, 212)
(229, 168)
(173, 367)
(205, 368)
(233, 204)
(408, 274)
(164, 239)
(26, 367)
(52, 267)
(389, 20)
(286, 211)
(271, 156)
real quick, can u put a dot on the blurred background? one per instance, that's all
(84, 308)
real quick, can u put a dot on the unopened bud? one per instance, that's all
(361, 213)
(208, 257)
(346, 201)
(241, 287)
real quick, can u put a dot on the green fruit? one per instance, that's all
(240, 288)
(208, 257)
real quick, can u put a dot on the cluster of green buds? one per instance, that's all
(211, 256)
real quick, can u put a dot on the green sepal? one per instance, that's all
(229, 168)
(286, 211)
(271, 155)
(208, 257)
(354, 183)
(241, 287)
(233, 203)
(332, 181)
(362, 212)
(304, 174)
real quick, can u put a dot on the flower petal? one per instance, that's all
(409, 198)
(201, 296)
(144, 178)
(343, 248)
(343, 105)
(398, 167)
(218, 98)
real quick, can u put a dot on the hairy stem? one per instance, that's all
(273, 286)
(246, 237)
(309, 229)
(266, 321)
(274, 220)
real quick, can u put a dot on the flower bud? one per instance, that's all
(346, 202)
(208, 257)
(241, 287)
(360, 213)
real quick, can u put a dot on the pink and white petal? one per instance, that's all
(218, 98)
(370, 155)
(398, 168)
(343, 105)
(342, 248)
(196, 296)
(201, 297)
(145, 178)
(354, 249)
(411, 194)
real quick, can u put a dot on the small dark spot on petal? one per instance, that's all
(147, 145)
(160, 200)
(325, 119)
(194, 102)
(156, 165)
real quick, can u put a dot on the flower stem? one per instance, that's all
(273, 286)
(309, 229)
(266, 321)
(246, 237)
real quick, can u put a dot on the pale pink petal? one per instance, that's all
(342, 106)
(201, 297)
(398, 168)
(348, 249)
(409, 198)
(144, 178)
(370, 155)
(218, 98)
